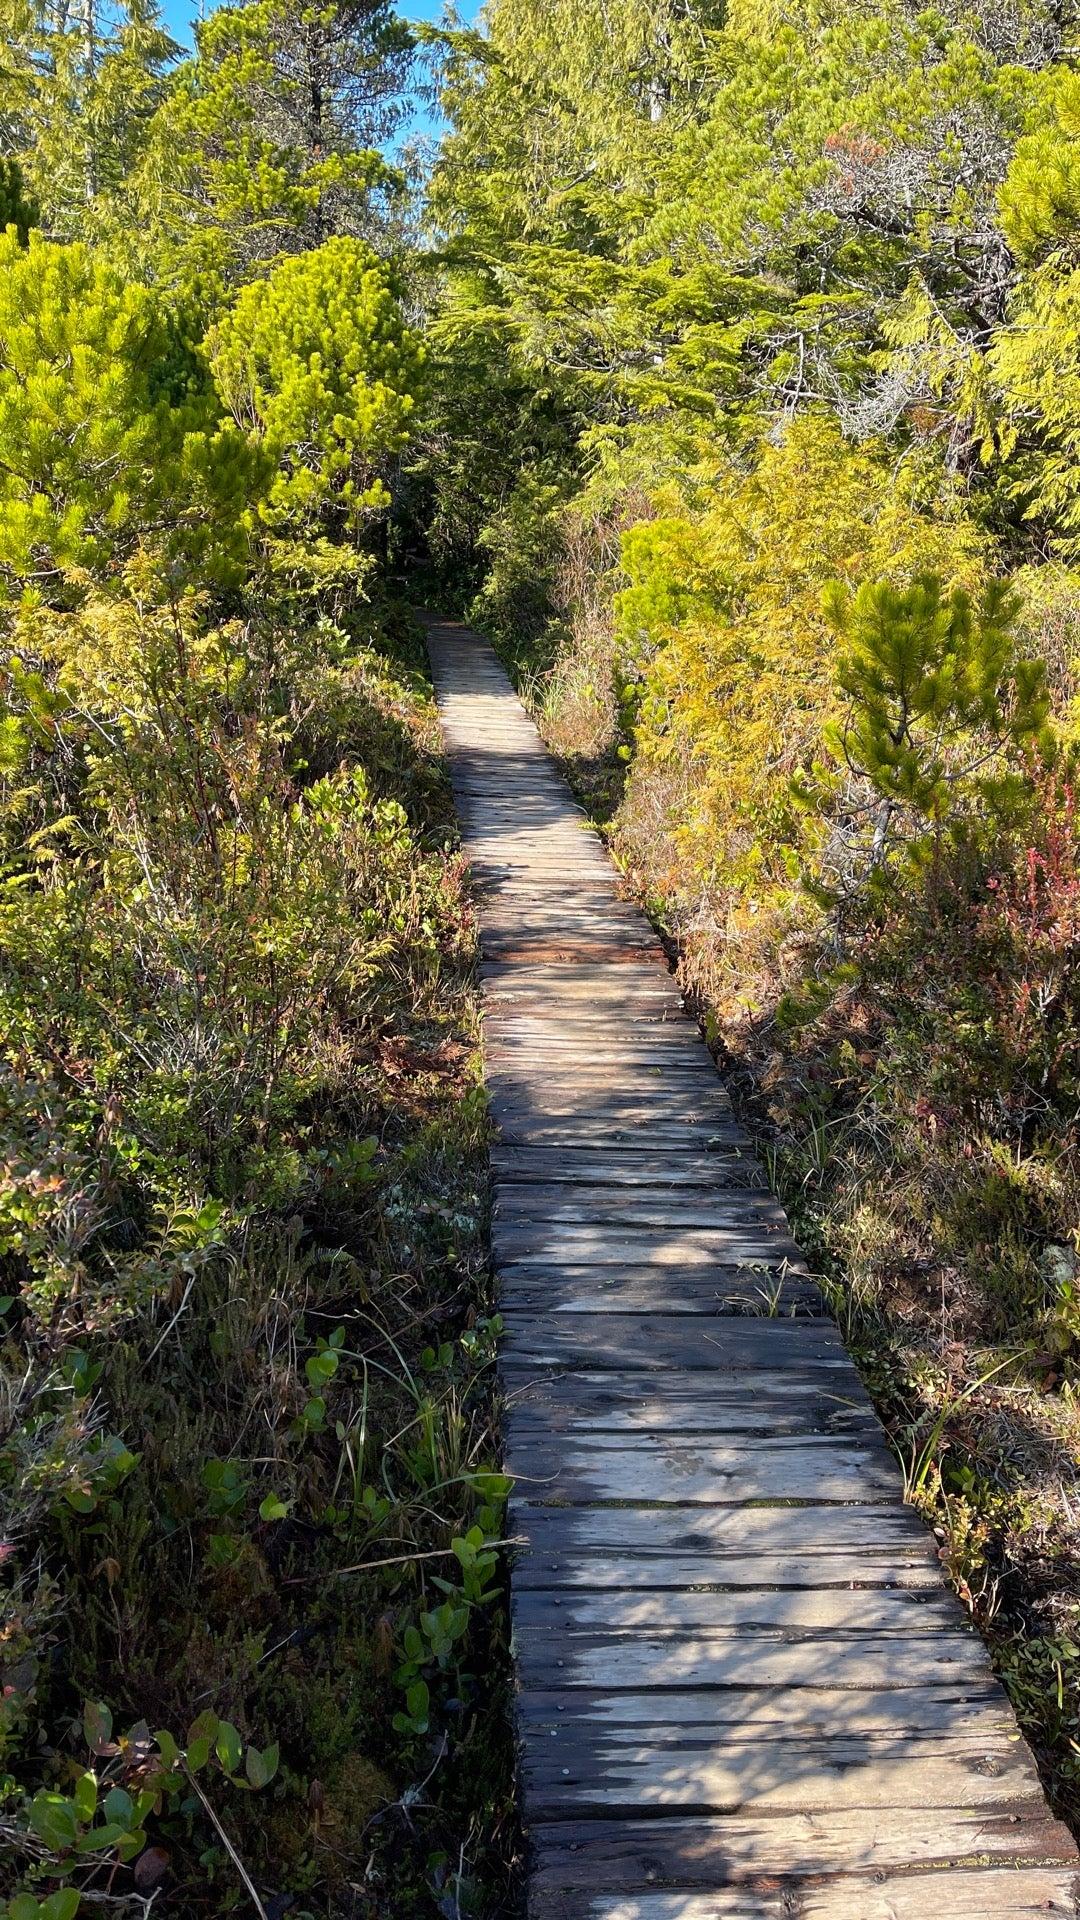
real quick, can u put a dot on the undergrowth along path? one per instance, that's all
(745, 1689)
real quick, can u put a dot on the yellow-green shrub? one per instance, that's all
(723, 630)
(316, 362)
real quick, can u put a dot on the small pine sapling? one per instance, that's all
(944, 722)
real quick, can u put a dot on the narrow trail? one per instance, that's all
(745, 1690)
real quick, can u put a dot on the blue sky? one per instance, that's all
(179, 13)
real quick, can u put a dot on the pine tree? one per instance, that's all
(111, 440)
(1040, 194)
(79, 93)
(16, 209)
(270, 143)
(941, 713)
(316, 363)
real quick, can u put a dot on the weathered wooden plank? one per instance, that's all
(606, 1341)
(621, 1769)
(591, 1536)
(645, 1035)
(657, 1029)
(554, 869)
(945, 1712)
(639, 1659)
(526, 1067)
(654, 1573)
(987, 1893)
(650, 1097)
(573, 947)
(516, 1167)
(589, 1005)
(522, 1127)
(644, 1855)
(723, 1611)
(613, 1406)
(711, 1290)
(577, 895)
(670, 1110)
(571, 907)
(614, 1056)
(654, 1021)
(584, 986)
(516, 943)
(594, 1015)
(572, 987)
(585, 887)
(549, 1243)
(580, 1130)
(615, 1032)
(482, 736)
(593, 1121)
(600, 1205)
(560, 929)
(674, 1472)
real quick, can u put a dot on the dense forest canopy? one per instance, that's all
(722, 363)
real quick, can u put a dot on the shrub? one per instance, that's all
(317, 363)
(110, 437)
(943, 723)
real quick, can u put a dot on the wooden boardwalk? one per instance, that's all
(745, 1691)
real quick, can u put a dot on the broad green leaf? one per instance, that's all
(229, 1747)
(119, 1806)
(63, 1905)
(261, 1767)
(53, 1818)
(86, 1796)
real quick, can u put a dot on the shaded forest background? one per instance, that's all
(722, 364)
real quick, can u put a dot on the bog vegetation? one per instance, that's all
(251, 1657)
(721, 362)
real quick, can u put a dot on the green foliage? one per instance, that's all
(110, 438)
(130, 1778)
(943, 719)
(725, 666)
(236, 934)
(238, 1136)
(63, 1905)
(1040, 194)
(267, 143)
(79, 95)
(16, 210)
(317, 364)
(1033, 361)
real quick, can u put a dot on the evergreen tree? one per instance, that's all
(111, 441)
(79, 92)
(315, 362)
(16, 210)
(941, 710)
(273, 135)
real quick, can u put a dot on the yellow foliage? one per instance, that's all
(736, 660)
(1049, 627)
